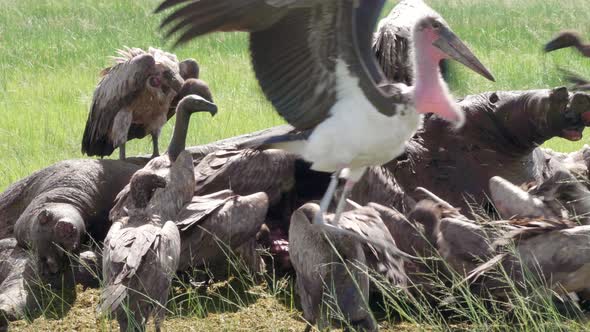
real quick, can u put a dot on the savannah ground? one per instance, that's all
(51, 52)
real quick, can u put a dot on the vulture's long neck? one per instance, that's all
(178, 141)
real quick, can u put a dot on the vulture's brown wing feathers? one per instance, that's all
(464, 239)
(239, 170)
(169, 251)
(210, 223)
(116, 90)
(556, 247)
(298, 47)
(201, 207)
(123, 252)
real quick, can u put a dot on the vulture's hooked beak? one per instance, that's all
(196, 103)
(452, 46)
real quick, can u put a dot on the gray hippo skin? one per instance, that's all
(61, 204)
(14, 271)
(20, 294)
(500, 137)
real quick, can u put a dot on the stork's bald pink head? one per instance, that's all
(434, 41)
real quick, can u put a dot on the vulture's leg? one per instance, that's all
(352, 177)
(155, 149)
(158, 318)
(122, 151)
(3, 322)
(325, 202)
(123, 323)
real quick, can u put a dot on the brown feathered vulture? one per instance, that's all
(136, 97)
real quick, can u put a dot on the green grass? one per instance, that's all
(51, 52)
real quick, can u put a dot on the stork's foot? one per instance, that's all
(122, 152)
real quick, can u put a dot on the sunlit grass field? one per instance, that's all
(51, 52)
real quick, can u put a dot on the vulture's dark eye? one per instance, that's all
(155, 82)
(436, 25)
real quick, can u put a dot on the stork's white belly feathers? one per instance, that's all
(357, 134)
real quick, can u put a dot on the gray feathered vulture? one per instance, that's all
(140, 257)
(133, 99)
(212, 224)
(462, 244)
(555, 252)
(182, 181)
(313, 61)
(321, 273)
(137, 243)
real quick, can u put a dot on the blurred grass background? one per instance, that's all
(51, 52)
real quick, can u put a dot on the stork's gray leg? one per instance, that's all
(352, 176)
(122, 151)
(155, 149)
(325, 202)
(342, 201)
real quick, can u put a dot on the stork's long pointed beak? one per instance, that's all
(452, 46)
